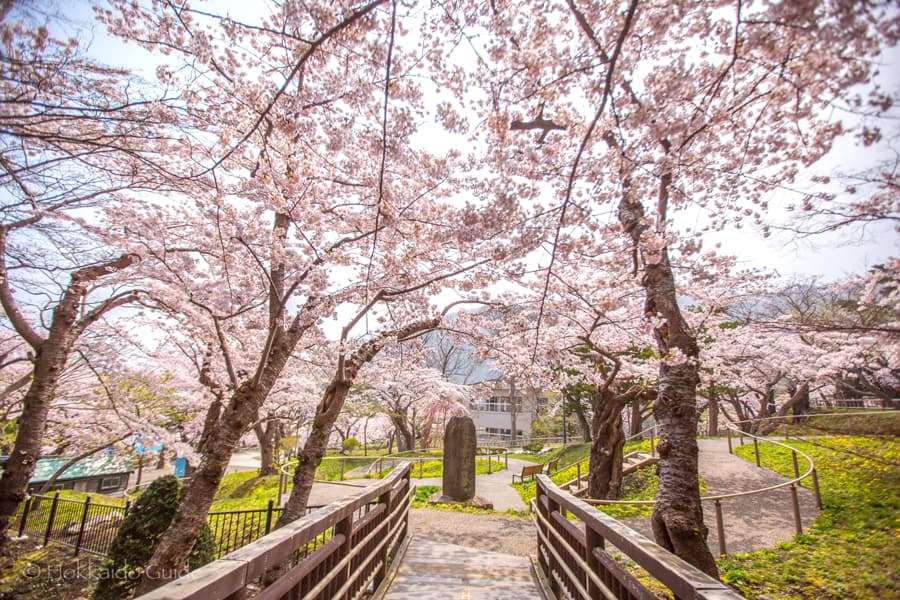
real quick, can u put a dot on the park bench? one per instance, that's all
(528, 471)
(552, 466)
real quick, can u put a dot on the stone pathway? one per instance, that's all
(433, 570)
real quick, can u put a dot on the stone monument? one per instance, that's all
(459, 459)
(459, 465)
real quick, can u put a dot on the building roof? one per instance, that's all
(97, 466)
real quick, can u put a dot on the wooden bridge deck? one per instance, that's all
(436, 571)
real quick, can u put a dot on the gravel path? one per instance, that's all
(509, 535)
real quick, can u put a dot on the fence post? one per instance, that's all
(730, 449)
(421, 462)
(592, 540)
(343, 462)
(506, 459)
(756, 450)
(796, 466)
(720, 528)
(269, 517)
(578, 470)
(51, 518)
(280, 483)
(343, 527)
(380, 467)
(653, 441)
(25, 510)
(798, 524)
(84, 514)
(815, 478)
(489, 462)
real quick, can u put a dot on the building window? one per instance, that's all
(109, 483)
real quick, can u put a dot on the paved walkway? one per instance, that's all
(433, 570)
(751, 522)
(494, 488)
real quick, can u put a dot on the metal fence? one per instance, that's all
(80, 524)
(340, 551)
(91, 526)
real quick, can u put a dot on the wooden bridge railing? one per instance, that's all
(575, 562)
(339, 551)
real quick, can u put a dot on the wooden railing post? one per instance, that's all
(720, 528)
(730, 449)
(756, 450)
(506, 459)
(592, 539)
(553, 563)
(796, 465)
(343, 527)
(84, 514)
(25, 510)
(51, 518)
(381, 574)
(421, 462)
(343, 463)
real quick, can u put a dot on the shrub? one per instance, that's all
(349, 445)
(137, 539)
(534, 446)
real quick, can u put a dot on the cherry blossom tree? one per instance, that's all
(74, 133)
(309, 204)
(415, 398)
(647, 110)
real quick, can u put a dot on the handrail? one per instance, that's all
(639, 435)
(810, 468)
(573, 558)
(344, 548)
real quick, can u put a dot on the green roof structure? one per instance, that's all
(85, 468)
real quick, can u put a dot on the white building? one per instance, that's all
(500, 408)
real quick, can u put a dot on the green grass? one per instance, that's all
(245, 490)
(837, 422)
(853, 549)
(570, 455)
(435, 468)
(640, 485)
(419, 454)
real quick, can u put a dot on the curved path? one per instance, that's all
(751, 522)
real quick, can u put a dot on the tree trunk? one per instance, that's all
(713, 425)
(327, 413)
(801, 408)
(637, 417)
(584, 425)
(169, 559)
(19, 467)
(266, 438)
(406, 439)
(605, 478)
(678, 516)
(311, 456)
(800, 395)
